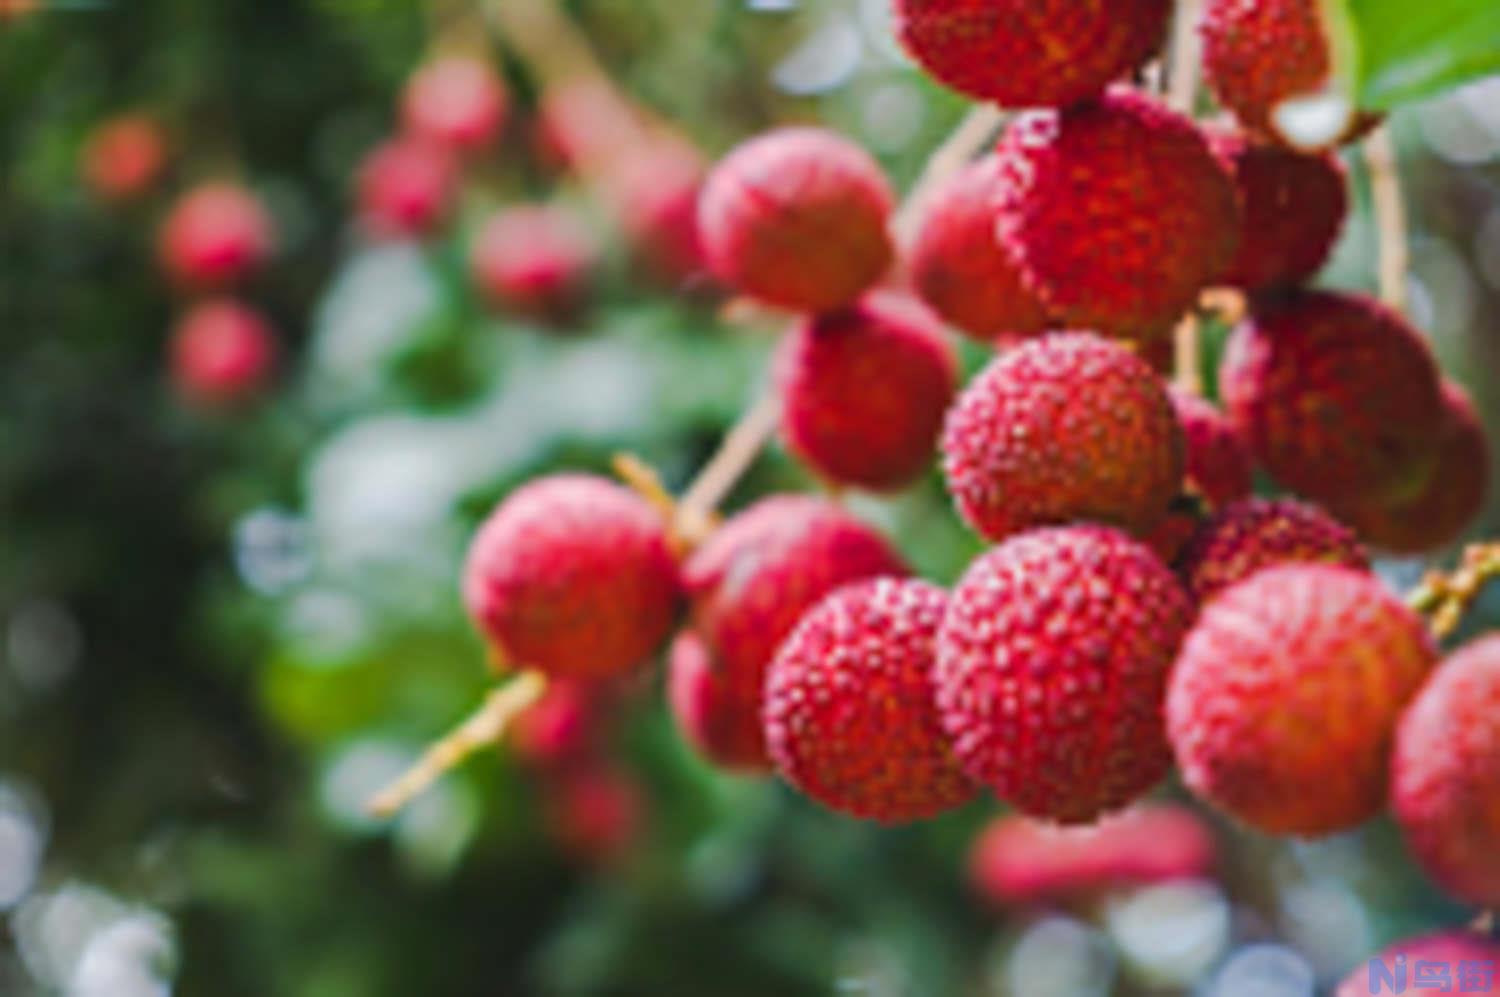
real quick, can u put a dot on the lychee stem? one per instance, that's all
(1228, 303)
(741, 445)
(1188, 360)
(1182, 72)
(480, 730)
(1444, 598)
(642, 479)
(1390, 216)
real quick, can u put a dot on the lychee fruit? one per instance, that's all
(596, 812)
(1070, 426)
(215, 235)
(560, 728)
(1337, 395)
(1219, 468)
(960, 266)
(864, 390)
(1284, 701)
(124, 156)
(653, 192)
(849, 712)
(405, 188)
(1030, 53)
(535, 260)
(458, 103)
(1170, 537)
(710, 718)
(797, 218)
(1294, 206)
(1118, 212)
(223, 353)
(1052, 663)
(1445, 774)
(571, 575)
(1254, 534)
(750, 583)
(1467, 960)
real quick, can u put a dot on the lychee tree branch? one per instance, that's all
(1390, 216)
(1444, 598)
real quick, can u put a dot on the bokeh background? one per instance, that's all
(219, 631)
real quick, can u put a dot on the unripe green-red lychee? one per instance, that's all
(1337, 395)
(223, 353)
(797, 218)
(1118, 212)
(864, 389)
(536, 260)
(1445, 774)
(1294, 205)
(124, 156)
(749, 584)
(1070, 426)
(1284, 701)
(571, 575)
(1031, 53)
(1051, 666)
(849, 712)
(1255, 534)
(405, 188)
(456, 102)
(215, 235)
(959, 265)
(1218, 463)
(1467, 960)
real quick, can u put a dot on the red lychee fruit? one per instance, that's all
(455, 102)
(1219, 469)
(1030, 53)
(849, 712)
(223, 353)
(1051, 666)
(596, 812)
(710, 718)
(560, 728)
(405, 188)
(1169, 538)
(1436, 514)
(124, 156)
(959, 265)
(1445, 774)
(750, 583)
(653, 193)
(1337, 395)
(1018, 861)
(572, 575)
(864, 389)
(1118, 212)
(797, 218)
(215, 235)
(1255, 534)
(1283, 704)
(1069, 426)
(1294, 206)
(535, 260)
(1467, 960)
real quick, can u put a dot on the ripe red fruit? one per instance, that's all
(560, 728)
(216, 234)
(571, 575)
(1466, 959)
(961, 268)
(864, 389)
(1026, 53)
(223, 353)
(1066, 427)
(797, 218)
(1445, 774)
(536, 260)
(1284, 701)
(750, 583)
(653, 193)
(124, 156)
(1294, 205)
(1051, 666)
(1218, 463)
(1255, 534)
(710, 718)
(1118, 212)
(596, 812)
(1437, 513)
(458, 103)
(849, 712)
(1016, 860)
(405, 188)
(1336, 395)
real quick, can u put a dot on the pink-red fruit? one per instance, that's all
(653, 193)
(710, 718)
(849, 712)
(1284, 701)
(1255, 534)
(124, 157)
(561, 728)
(405, 188)
(1467, 960)
(1218, 463)
(215, 235)
(1051, 666)
(596, 812)
(455, 102)
(223, 353)
(534, 260)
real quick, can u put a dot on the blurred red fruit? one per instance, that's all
(223, 353)
(215, 235)
(458, 103)
(560, 728)
(653, 192)
(596, 812)
(124, 157)
(405, 188)
(711, 720)
(535, 260)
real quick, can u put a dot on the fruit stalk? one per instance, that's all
(1390, 216)
(1444, 598)
(974, 131)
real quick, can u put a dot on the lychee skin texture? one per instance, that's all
(457, 103)
(124, 157)
(1283, 704)
(797, 218)
(960, 267)
(223, 353)
(1117, 211)
(1453, 951)
(215, 235)
(1445, 774)
(571, 575)
(1219, 468)
(710, 719)
(1070, 426)
(1337, 396)
(864, 390)
(1025, 53)
(1051, 666)
(849, 712)
(405, 188)
(1294, 206)
(535, 260)
(1453, 496)
(754, 578)
(1255, 534)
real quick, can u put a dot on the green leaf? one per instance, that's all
(1393, 52)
